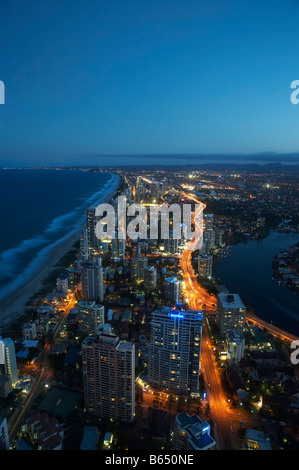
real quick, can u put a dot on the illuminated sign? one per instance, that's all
(176, 315)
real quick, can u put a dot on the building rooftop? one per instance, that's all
(198, 431)
(261, 439)
(90, 438)
(231, 301)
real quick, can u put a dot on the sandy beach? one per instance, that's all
(12, 306)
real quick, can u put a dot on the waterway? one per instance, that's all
(247, 271)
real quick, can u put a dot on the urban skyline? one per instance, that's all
(149, 250)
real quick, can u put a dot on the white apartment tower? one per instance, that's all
(231, 312)
(8, 361)
(174, 350)
(235, 343)
(172, 289)
(90, 316)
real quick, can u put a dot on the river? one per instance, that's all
(247, 271)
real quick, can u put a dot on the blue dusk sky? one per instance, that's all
(85, 80)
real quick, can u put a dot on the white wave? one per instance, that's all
(71, 222)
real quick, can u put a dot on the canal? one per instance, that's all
(247, 271)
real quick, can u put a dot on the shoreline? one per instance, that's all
(13, 304)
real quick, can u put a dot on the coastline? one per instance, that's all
(13, 304)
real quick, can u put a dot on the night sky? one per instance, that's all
(85, 79)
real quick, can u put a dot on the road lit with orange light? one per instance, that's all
(199, 299)
(43, 369)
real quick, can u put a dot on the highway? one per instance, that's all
(221, 414)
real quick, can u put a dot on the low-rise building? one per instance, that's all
(257, 440)
(191, 433)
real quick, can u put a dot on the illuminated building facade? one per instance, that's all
(92, 281)
(235, 343)
(191, 433)
(174, 350)
(90, 316)
(150, 277)
(172, 289)
(109, 375)
(8, 361)
(137, 268)
(231, 312)
(205, 266)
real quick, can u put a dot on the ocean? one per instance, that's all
(39, 209)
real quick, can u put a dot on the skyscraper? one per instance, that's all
(172, 289)
(91, 226)
(90, 316)
(4, 440)
(137, 268)
(150, 277)
(235, 343)
(8, 360)
(208, 234)
(174, 350)
(230, 312)
(171, 245)
(109, 375)
(84, 250)
(118, 248)
(92, 281)
(140, 189)
(205, 264)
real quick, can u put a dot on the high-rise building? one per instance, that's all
(174, 350)
(140, 189)
(5, 386)
(118, 247)
(235, 343)
(62, 283)
(90, 316)
(172, 289)
(155, 190)
(109, 375)
(137, 267)
(205, 266)
(84, 250)
(4, 439)
(150, 277)
(219, 236)
(191, 433)
(171, 245)
(91, 227)
(231, 312)
(208, 234)
(8, 361)
(92, 281)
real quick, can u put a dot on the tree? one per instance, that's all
(198, 406)
(207, 411)
(170, 401)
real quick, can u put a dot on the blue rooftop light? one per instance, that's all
(176, 315)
